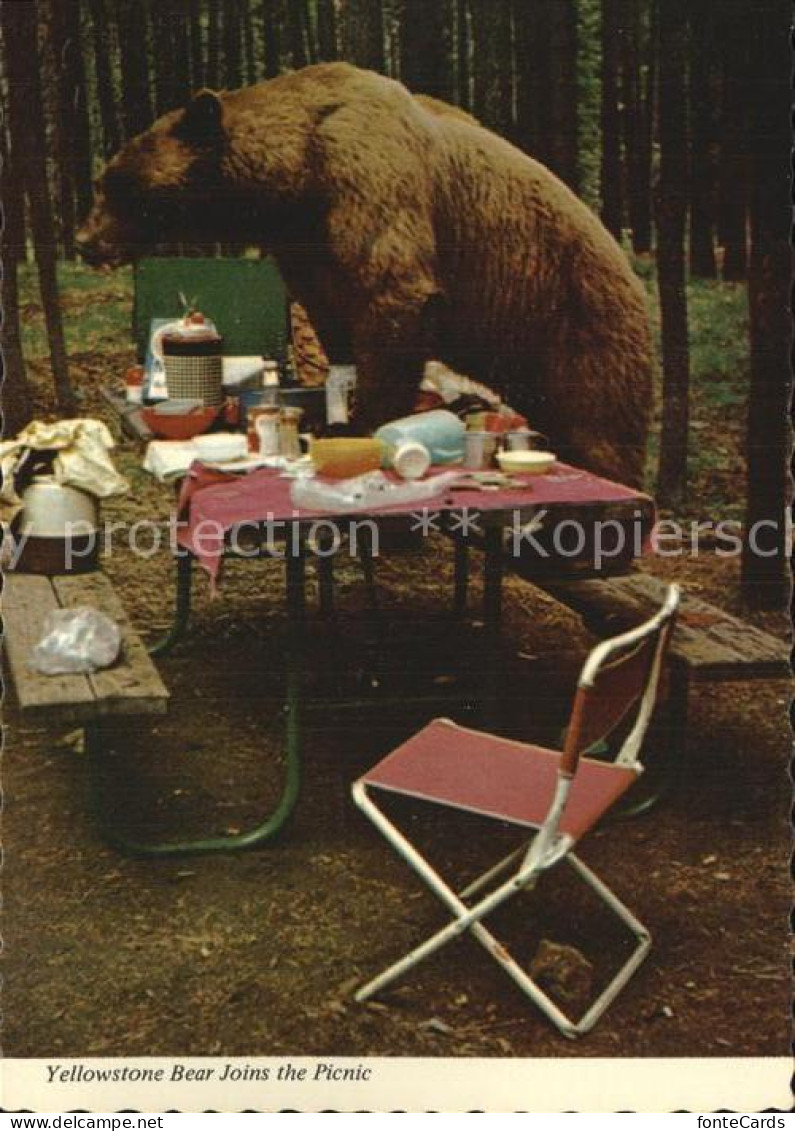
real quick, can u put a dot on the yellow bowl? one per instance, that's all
(530, 463)
(345, 456)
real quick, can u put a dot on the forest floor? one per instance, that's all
(256, 954)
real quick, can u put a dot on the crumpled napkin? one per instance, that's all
(82, 459)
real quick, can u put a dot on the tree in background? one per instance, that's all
(28, 148)
(15, 399)
(363, 36)
(327, 35)
(426, 50)
(612, 211)
(765, 571)
(233, 44)
(733, 22)
(133, 41)
(492, 67)
(272, 15)
(703, 262)
(671, 218)
(106, 96)
(197, 69)
(213, 70)
(637, 95)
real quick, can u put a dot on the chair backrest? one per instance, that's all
(246, 299)
(619, 674)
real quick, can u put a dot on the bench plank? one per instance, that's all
(27, 599)
(712, 643)
(132, 685)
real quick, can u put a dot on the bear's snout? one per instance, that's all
(97, 250)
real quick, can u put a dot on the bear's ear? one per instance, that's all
(203, 121)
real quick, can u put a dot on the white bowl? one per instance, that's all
(221, 446)
(531, 463)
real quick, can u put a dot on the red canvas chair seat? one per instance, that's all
(496, 777)
(559, 794)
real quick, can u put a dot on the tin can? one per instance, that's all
(289, 442)
(479, 450)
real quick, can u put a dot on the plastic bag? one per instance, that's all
(76, 640)
(363, 492)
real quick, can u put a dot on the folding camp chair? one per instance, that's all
(560, 794)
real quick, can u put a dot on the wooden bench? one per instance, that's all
(708, 644)
(130, 687)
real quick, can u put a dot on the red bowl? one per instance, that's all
(183, 427)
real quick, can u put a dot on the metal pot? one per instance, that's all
(58, 528)
(54, 510)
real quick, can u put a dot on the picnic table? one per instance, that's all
(216, 509)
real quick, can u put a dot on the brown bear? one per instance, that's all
(408, 232)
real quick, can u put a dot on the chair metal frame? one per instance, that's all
(548, 846)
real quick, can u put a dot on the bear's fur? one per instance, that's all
(408, 232)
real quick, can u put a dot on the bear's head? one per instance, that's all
(160, 186)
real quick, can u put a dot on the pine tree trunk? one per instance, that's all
(213, 72)
(104, 75)
(296, 34)
(671, 219)
(563, 157)
(636, 152)
(164, 60)
(732, 163)
(197, 74)
(248, 43)
(81, 127)
(272, 16)
(328, 47)
(462, 55)
(232, 44)
(27, 129)
(180, 40)
(492, 65)
(610, 180)
(15, 400)
(426, 50)
(532, 80)
(363, 34)
(133, 39)
(66, 211)
(642, 225)
(765, 572)
(703, 262)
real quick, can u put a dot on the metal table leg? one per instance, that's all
(253, 838)
(492, 615)
(461, 575)
(181, 609)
